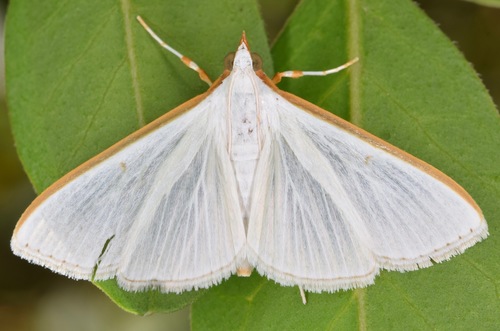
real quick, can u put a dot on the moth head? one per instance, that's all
(243, 58)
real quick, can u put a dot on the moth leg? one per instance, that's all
(299, 73)
(302, 295)
(187, 61)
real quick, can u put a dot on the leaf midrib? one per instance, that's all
(131, 54)
(354, 50)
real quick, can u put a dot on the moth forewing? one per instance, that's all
(113, 194)
(391, 209)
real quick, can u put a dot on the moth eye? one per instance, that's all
(229, 60)
(256, 61)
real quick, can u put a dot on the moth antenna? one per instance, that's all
(299, 73)
(187, 61)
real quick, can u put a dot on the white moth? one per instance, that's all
(243, 176)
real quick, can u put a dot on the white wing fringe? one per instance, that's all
(438, 255)
(215, 278)
(166, 286)
(178, 286)
(359, 281)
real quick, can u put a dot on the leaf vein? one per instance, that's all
(413, 306)
(354, 50)
(71, 66)
(429, 136)
(340, 312)
(125, 7)
(94, 115)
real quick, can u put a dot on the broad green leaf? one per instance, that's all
(82, 75)
(414, 89)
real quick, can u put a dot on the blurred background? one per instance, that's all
(32, 298)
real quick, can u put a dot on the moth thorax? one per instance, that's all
(244, 131)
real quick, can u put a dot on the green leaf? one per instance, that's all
(81, 76)
(145, 303)
(414, 89)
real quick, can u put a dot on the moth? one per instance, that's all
(247, 176)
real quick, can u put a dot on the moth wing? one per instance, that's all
(158, 210)
(335, 204)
